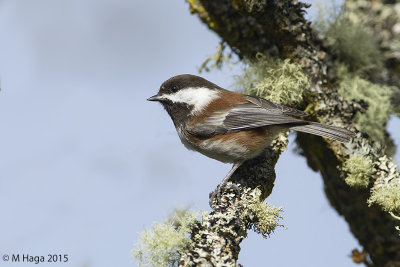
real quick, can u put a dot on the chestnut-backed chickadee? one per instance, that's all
(229, 126)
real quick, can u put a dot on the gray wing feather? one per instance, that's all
(268, 105)
(248, 115)
(257, 112)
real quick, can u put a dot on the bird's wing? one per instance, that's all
(268, 105)
(257, 112)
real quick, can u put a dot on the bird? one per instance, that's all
(229, 126)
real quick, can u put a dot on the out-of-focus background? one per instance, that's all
(86, 162)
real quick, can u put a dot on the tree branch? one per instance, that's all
(215, 240)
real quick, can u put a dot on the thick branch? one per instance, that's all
(216, 239)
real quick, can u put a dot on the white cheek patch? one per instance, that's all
(199, 98)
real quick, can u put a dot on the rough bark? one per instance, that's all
(216, 238)
(278, 28)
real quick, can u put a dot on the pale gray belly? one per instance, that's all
(230, 151)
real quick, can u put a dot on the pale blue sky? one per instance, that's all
(86, 162)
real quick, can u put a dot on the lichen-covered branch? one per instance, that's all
(277, 28)
(383, 18)
(214, 239)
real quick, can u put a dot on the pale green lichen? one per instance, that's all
(163, 243)
(218, 59)
(387, 196)
(352, 41)
(358, 169)
(386, 190)
(264, 218)
(378, 98)
(280, 81)
(170, 242)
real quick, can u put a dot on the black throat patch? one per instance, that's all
(179, 112)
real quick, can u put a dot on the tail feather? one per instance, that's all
(328, 131)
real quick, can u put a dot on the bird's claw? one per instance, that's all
(216, 195)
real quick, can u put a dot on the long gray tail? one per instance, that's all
(328, 131)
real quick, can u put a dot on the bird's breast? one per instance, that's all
(231, 147)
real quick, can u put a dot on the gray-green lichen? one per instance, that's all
(252, 211)
(163, 243)
(351, 41)
(280, 81)
(359, 169)
(216, 238)
(387, 196)
(184, 240)
(378, 98)
(386, 191)
(218, 59)
(383, 17)
(264, 218)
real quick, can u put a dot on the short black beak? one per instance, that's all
(154, 98)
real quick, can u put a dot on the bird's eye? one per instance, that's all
(174, 88)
